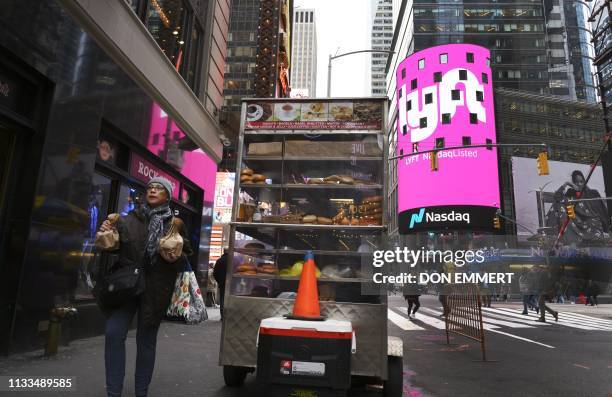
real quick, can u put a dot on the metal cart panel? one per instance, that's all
(243, 316)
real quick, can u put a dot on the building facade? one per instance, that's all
(304, 47)
(258, 51)
(97, 98)
(381, 37)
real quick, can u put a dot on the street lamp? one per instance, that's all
(331, 58)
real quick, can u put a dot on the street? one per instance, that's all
(569, 358)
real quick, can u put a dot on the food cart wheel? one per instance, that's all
(395, 378)
(234, 376)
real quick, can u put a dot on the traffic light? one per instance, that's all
(496, 222)
(433, 160)
(543, 163)
(570, 211)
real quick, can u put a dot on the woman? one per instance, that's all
(139, 235)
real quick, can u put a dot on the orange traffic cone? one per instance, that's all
(306, 305)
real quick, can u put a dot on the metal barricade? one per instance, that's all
(464, 313)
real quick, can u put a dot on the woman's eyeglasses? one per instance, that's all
(156, 187)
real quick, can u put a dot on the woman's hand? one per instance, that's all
(106, 226)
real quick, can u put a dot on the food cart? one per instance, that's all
(310, 176)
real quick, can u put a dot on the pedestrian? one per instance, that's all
(592, 290)
(525, 291)
(486, 292)
(219, 273)
(546, 289)
(139, 234)
(411, 294)
(532, 278)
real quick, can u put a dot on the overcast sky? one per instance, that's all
(342, 24)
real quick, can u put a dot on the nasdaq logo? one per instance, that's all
(417, 217)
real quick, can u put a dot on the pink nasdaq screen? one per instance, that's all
(445, 100)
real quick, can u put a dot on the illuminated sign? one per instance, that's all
(445, 100)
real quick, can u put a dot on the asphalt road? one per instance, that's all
(571, 358)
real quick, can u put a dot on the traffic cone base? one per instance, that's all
(306, 306)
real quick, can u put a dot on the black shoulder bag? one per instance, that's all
(124, 281)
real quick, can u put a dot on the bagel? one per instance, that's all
(309, 219)
(246, 171)
(324, 221)
(258, 177)
(246, 178)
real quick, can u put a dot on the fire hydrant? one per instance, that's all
(57, 315)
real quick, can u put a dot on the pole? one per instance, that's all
(331, 58)
(329, 76)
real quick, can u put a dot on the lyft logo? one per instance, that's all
(421, 110)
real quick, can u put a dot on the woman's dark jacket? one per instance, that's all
(160, 277)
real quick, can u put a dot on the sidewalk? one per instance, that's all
(186, 364)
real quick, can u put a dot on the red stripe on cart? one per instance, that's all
(305, 333)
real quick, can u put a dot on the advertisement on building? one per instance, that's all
(540, 202)
(328, 115)
(445, 100)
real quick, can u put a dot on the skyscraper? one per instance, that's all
(257, 51)
(381, 37)
(304, 39)
(569, 39)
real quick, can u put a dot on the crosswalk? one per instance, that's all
(500, 320)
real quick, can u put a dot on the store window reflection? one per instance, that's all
(130, 198)
(97, 210)
(166, 20)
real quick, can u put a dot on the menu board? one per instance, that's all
(313, 115)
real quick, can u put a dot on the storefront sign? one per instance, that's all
(314, 115)
(445, 99)
(144, 171)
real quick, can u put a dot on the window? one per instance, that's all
(485, 78)
(194, 52)
(462, 74)
(469, 57)
(404, 130)
(403, 73)
(167, 22)
(428, 98)
(489, 142)
(466, 141)
(456, 95)
(473, 118)
(408, 105)
(443, 58)
(479, 96)
(177, 32)
(413, 84)
(423, 122)
(415, 147)
(439, 143)
(446, 119)
(437, 77)
(421, 64)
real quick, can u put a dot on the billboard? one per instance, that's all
(224, 195)
(445, 100)
(324, 115)
(540, 201)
